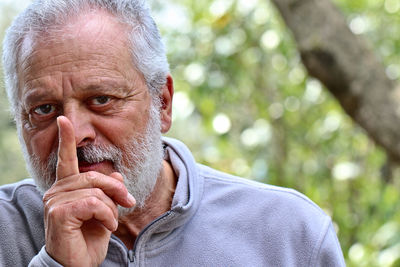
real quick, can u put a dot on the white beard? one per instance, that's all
(139, 162)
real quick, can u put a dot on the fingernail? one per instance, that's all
(131, 199)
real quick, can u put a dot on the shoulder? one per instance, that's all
(11, 192)
(252, 192)
(282, 214)
(19, 198)
(286, 225)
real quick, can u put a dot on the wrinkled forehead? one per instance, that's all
(91, 24)
(94, 31)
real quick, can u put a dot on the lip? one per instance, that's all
(105, 167)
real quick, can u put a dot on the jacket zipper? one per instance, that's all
(132, 252)
(131, 256)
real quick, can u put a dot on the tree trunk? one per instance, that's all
(347, 66)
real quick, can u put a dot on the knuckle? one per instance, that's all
(117, 176)
(62, 164)
(54, 212)
(49, 194)
(91, 176)
(92, 201)
(46, 197)
(120, 187)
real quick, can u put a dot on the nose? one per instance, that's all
(84, 130)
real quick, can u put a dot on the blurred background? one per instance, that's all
(245, 104)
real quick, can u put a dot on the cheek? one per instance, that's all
(42, 143)
(121, 129)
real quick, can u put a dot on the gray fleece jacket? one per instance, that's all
(215, 220)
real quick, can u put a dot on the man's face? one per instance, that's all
(85, 73)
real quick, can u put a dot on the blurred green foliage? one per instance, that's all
(244, 104)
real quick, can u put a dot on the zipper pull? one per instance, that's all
(131, 255)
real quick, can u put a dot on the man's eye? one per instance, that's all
(101, 100)
(44, 109)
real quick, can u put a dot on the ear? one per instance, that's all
(167, 93)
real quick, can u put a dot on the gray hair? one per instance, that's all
(147, 48)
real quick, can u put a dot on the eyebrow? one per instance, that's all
(36, 95)
(105, 85)
(107, 88)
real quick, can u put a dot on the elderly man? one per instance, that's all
(90, 89)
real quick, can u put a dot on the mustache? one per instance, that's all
(88, 153)
(98, 153)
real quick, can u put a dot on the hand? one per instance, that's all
(80, 209)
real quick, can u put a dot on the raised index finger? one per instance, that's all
(67, 163)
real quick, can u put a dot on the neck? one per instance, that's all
(157, 204)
